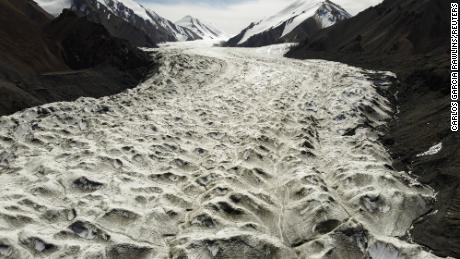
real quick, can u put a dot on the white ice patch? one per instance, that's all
(432, 151)
(384, 251)
(54, 7)
(276, 50)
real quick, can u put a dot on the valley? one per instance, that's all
(224, 153)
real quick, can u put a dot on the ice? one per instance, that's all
(223, 153)
(432, 151)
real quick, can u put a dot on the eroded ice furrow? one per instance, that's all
(225, 153)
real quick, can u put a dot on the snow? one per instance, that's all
(138, 9)
(393, 248)
(123, 9)
(321, 12)
(177, 31)
(299, 7)
(206, 43)
(432, 150)
(384, 251)
(205, 31)
(54, 7)
(294, 15)
(275, 50)
(300, 11)
(222, 150)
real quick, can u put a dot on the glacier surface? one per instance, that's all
(224, 153)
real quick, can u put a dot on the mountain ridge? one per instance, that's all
(292, 24)
(128, 20)
(44, 60)
(204, 30)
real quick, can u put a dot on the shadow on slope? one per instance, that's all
(45, 61)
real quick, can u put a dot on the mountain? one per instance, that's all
(86, 44)
(44, 60)
(125, 19)
(24, 47)
(410, 38)
(398, 27)
(201, 29)
(295, 23)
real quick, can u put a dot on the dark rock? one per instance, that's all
(125, 24)
(38, 246)
(87, 230)
(44, 61)
(85, 184)
(327, 226)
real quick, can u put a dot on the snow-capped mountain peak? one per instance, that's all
(203, 30)
(157, 28)
(324, 13)
(127, 8)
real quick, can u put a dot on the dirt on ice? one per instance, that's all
(225, 153)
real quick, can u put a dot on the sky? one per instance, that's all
(231, 16)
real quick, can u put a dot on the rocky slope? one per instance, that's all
(23, 45)
(203, 30)
(44, 61)
(125, 19)
(293, 24)
(410, 38)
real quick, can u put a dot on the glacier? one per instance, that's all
(224, 153)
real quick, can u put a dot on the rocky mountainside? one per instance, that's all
(394, 27)
(411, 38)
(44, 60)
(293, 24)
(125, 19)
(203, 30)
(86, 44)
(23, 46)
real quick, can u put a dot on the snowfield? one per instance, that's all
(225, 153)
